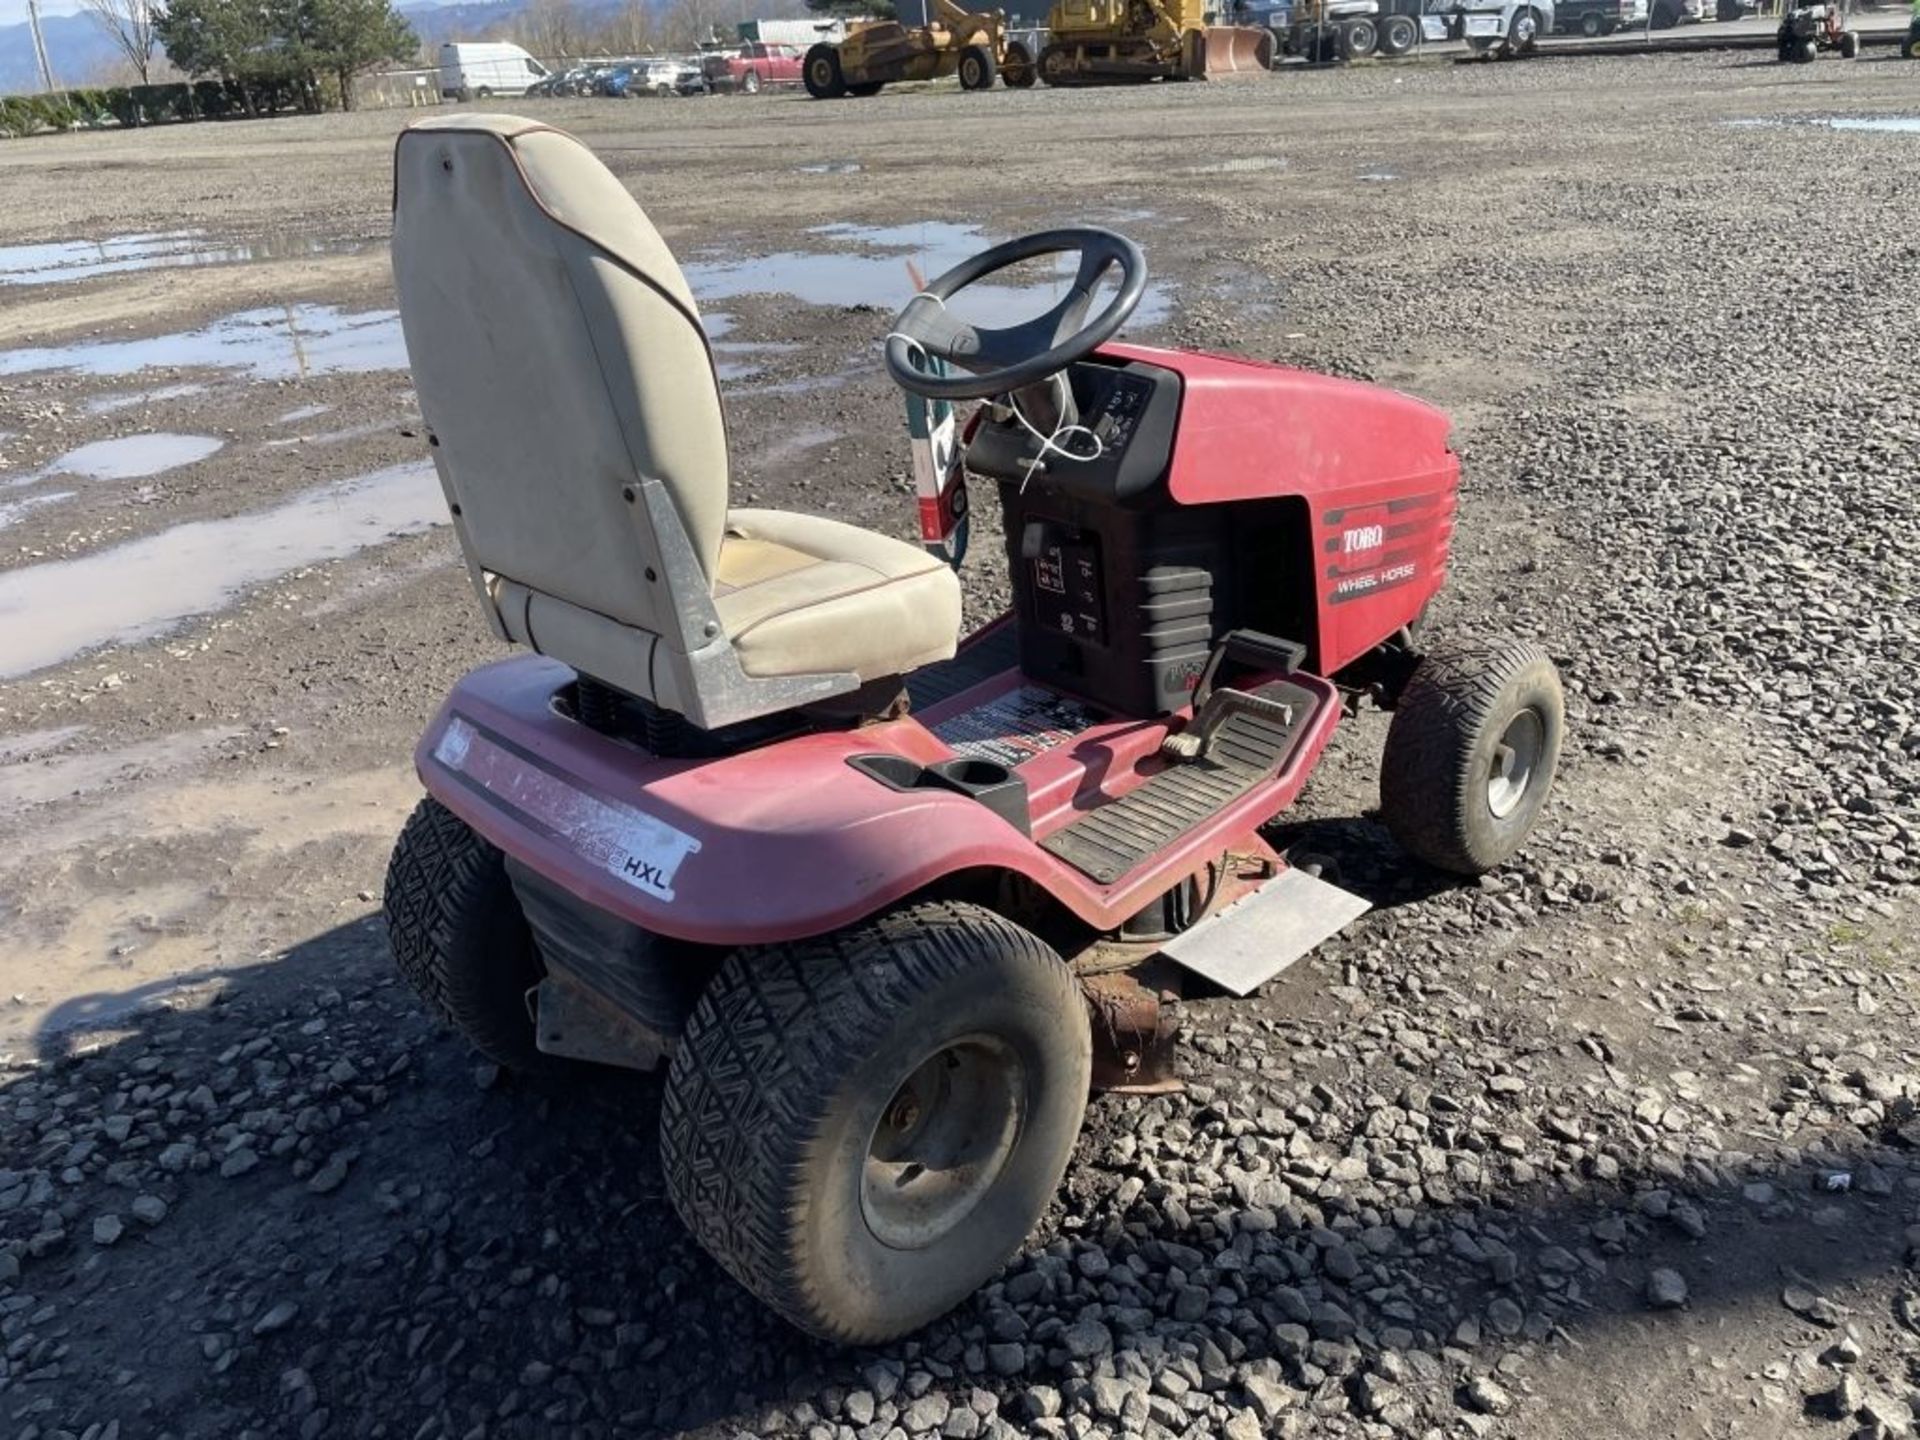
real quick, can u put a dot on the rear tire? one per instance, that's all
(866, 91)
(1591, 25)
(1471, 754)
(977, 70)
(1359, 39)
(1018, 70)
(750, 82)
(821, 73)
(864, 1126)
(1398, 35)
(1056, 65)
(459, 937)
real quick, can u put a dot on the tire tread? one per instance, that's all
(1427, 773)
(760, 1060)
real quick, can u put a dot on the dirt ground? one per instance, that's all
(1435, 1181)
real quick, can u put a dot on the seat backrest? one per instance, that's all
(559, 361)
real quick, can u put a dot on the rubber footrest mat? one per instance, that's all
(985, 657)
(1108, 842)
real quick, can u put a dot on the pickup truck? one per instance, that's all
(757, 65)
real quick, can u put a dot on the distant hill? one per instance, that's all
(76, 46)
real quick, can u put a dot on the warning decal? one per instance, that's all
(1014, 727)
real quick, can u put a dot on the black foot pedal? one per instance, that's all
(1251, 735)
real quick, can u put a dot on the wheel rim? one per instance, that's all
(823, 75)
(1516, 759)
(942, 1141)
(1523, 29)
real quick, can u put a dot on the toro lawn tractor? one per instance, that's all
(970, 44)
(884, 902)
(1810, 26)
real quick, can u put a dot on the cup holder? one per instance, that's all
(987, 781)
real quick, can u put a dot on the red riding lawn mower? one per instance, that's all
(886, 903)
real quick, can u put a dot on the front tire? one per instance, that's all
(1471, 754)
(1806, 52)
(1018, 72)
(977, 69)
(821, 73)
(864, 1126)
(1849, 44)
(459, 936)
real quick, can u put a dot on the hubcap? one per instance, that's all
(942, 1141)
(1515, 759)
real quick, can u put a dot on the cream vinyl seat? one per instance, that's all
(571, 401)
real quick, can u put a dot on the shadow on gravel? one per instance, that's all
(1358, 854)
(304, 1210)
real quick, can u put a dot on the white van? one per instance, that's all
(475, 71)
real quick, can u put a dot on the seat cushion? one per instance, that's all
(800, 595)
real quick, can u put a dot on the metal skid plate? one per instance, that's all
(1241, 947)
(573, 1020)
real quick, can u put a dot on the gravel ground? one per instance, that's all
(1621, 1140)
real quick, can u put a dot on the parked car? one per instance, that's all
(676, 75)
(622, 81)
(759, 65)
(470, 70)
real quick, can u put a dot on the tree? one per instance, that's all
(551, 30)
(131, 26)
(275, 48)
(344, 37)
(238, 40)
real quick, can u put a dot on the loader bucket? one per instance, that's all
(1230, 49)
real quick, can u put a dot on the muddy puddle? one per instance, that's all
(71, 260)
(1892, 124)
(131, 457)
(884, 266)
(131, 399)
(32, 776)
(134, 592)
(336, 437)
(1883, 124)
(285, 342)
(12, 512)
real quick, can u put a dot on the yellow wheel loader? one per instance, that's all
(1111, 42)
(954, 42)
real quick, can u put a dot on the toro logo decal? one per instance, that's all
(1362, 538)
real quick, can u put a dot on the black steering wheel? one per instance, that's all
(999, 361)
